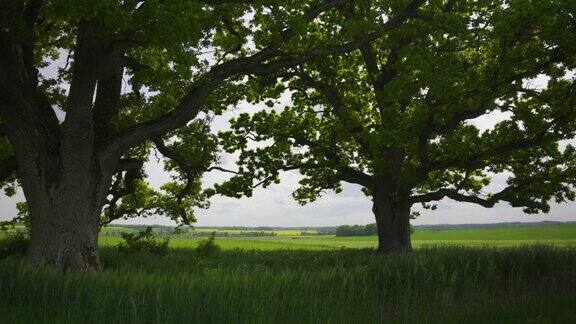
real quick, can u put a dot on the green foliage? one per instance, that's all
(22, 218)
(144, 241)
(208, 246)
(180, 62)
(399, 113)
(13, 244)
(178, 198)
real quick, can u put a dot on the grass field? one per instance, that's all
(494, 275)
(448, 284)
(561, 235)
(277, 232)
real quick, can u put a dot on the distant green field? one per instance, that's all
(237, 231)
(561, 235)
(116, 230)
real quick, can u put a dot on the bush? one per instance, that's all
(208, 246)
(144, 241)
(13, 244)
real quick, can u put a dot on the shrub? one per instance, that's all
(13, 244)
(208, 246)
(144, 241)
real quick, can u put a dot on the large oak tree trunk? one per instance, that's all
(63, 173)
(60, 239)
(65, 220)
(393, 223)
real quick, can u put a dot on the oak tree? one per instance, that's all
(396, 116)
(131, 76)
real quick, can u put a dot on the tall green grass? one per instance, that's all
(443, 284)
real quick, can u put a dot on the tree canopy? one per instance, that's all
(133, 76)
(396, 116)
(153, 66)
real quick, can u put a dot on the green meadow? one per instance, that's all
(493, 275)
(560, 235)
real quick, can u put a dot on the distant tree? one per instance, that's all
(395, 116)
(344, 230)
(371, 229)
(134, 76)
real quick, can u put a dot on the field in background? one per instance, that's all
(282, 232)
(560, 235)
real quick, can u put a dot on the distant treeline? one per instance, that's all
(233, 234)
(325, 230)
(238, 228)
(356, 230)
(265, 233)
(361, 230)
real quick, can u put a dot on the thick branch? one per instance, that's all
(107, 105)
(356, 176)
(190, 105)
(123, 186)
(129, 164)
(87, 59)
(504, 195)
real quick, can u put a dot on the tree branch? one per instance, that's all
(7, 168)
(129, 164)
(190, 104)
(123, 186)
(190, 171)
(454, 194)
(356, 176)
(344, 173)
(334, 99)
(220, 169)
(106, 110)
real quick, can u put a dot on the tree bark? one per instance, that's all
(65, 213)
(393, 223)
(61, 240)
(65, 217)
(63, 175)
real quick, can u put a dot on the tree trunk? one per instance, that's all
(65, 221)
(63, 241)
(393, 223)
(63, 173)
